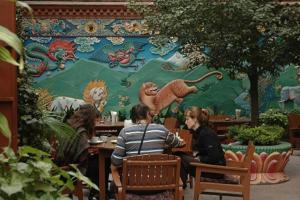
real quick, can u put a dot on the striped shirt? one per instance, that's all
(156, 140)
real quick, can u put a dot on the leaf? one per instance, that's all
(61, 129)
(81, 177)
(45, 187)
(11, 39)
(24, 5)
(63, 198)
(6, 56)
(14, 185)
(26, 150)
(4, 128)
(9, 153)
(22, 167)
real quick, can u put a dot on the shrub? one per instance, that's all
(295, 111)
(260, 135)
(31, 174)
(274, 117)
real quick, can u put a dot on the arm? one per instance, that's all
(173, 141)
(119, 152)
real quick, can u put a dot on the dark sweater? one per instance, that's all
(209, 148)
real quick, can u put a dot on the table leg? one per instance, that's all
(101, 168)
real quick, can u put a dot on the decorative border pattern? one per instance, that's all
(81, 10)
(55, 27)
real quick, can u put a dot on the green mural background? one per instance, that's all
(68, 54)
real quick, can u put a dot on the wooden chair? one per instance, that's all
(294, 129)
(149, 172)
(239, 169)
(171, 123)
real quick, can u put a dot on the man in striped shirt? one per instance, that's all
(157, 138)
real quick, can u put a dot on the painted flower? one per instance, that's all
(116, 40)
(116, 28)
(261, 28)
(91, 27)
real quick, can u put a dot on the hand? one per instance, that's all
(182, 143)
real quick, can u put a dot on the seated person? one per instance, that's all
(75, 150)
(156, 137)
(205, 142)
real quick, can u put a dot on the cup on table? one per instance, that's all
(103, 138)
(114, 117)
(94, 139)
(237, 113)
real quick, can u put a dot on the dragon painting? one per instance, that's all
(56, 55)
(123, 56)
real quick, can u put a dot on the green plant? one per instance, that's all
(274, 117)
(260, 135)
(295, 111)
(13, 41)
(31, 174)
(37, 125)
(252, 37)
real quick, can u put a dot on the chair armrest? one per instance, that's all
(231, 163)
(220, 169)
(116, 176)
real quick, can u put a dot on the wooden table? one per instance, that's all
(107, 127)
(229, 121)
(104, 151)
(221, 125)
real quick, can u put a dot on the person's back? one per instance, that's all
(149, 137)
(156, 139)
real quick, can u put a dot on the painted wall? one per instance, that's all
(79, 58)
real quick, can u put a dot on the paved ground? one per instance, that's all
(289, 190)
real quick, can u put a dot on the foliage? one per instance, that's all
(123, 103)
(295, 111)
(274, 117)
(36, 124)
(252, 37)
(260, 135)
(13, 41)
(31, 174)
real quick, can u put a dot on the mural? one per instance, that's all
(102, 61)
(175, 90)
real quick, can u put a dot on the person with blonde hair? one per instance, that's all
(205, 142)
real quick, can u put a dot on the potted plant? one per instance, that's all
(31, 174)
(271, 153)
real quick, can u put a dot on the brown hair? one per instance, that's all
(139, 112)
(198, 113)
(84, 117)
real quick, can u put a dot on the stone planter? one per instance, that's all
(268, 163)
